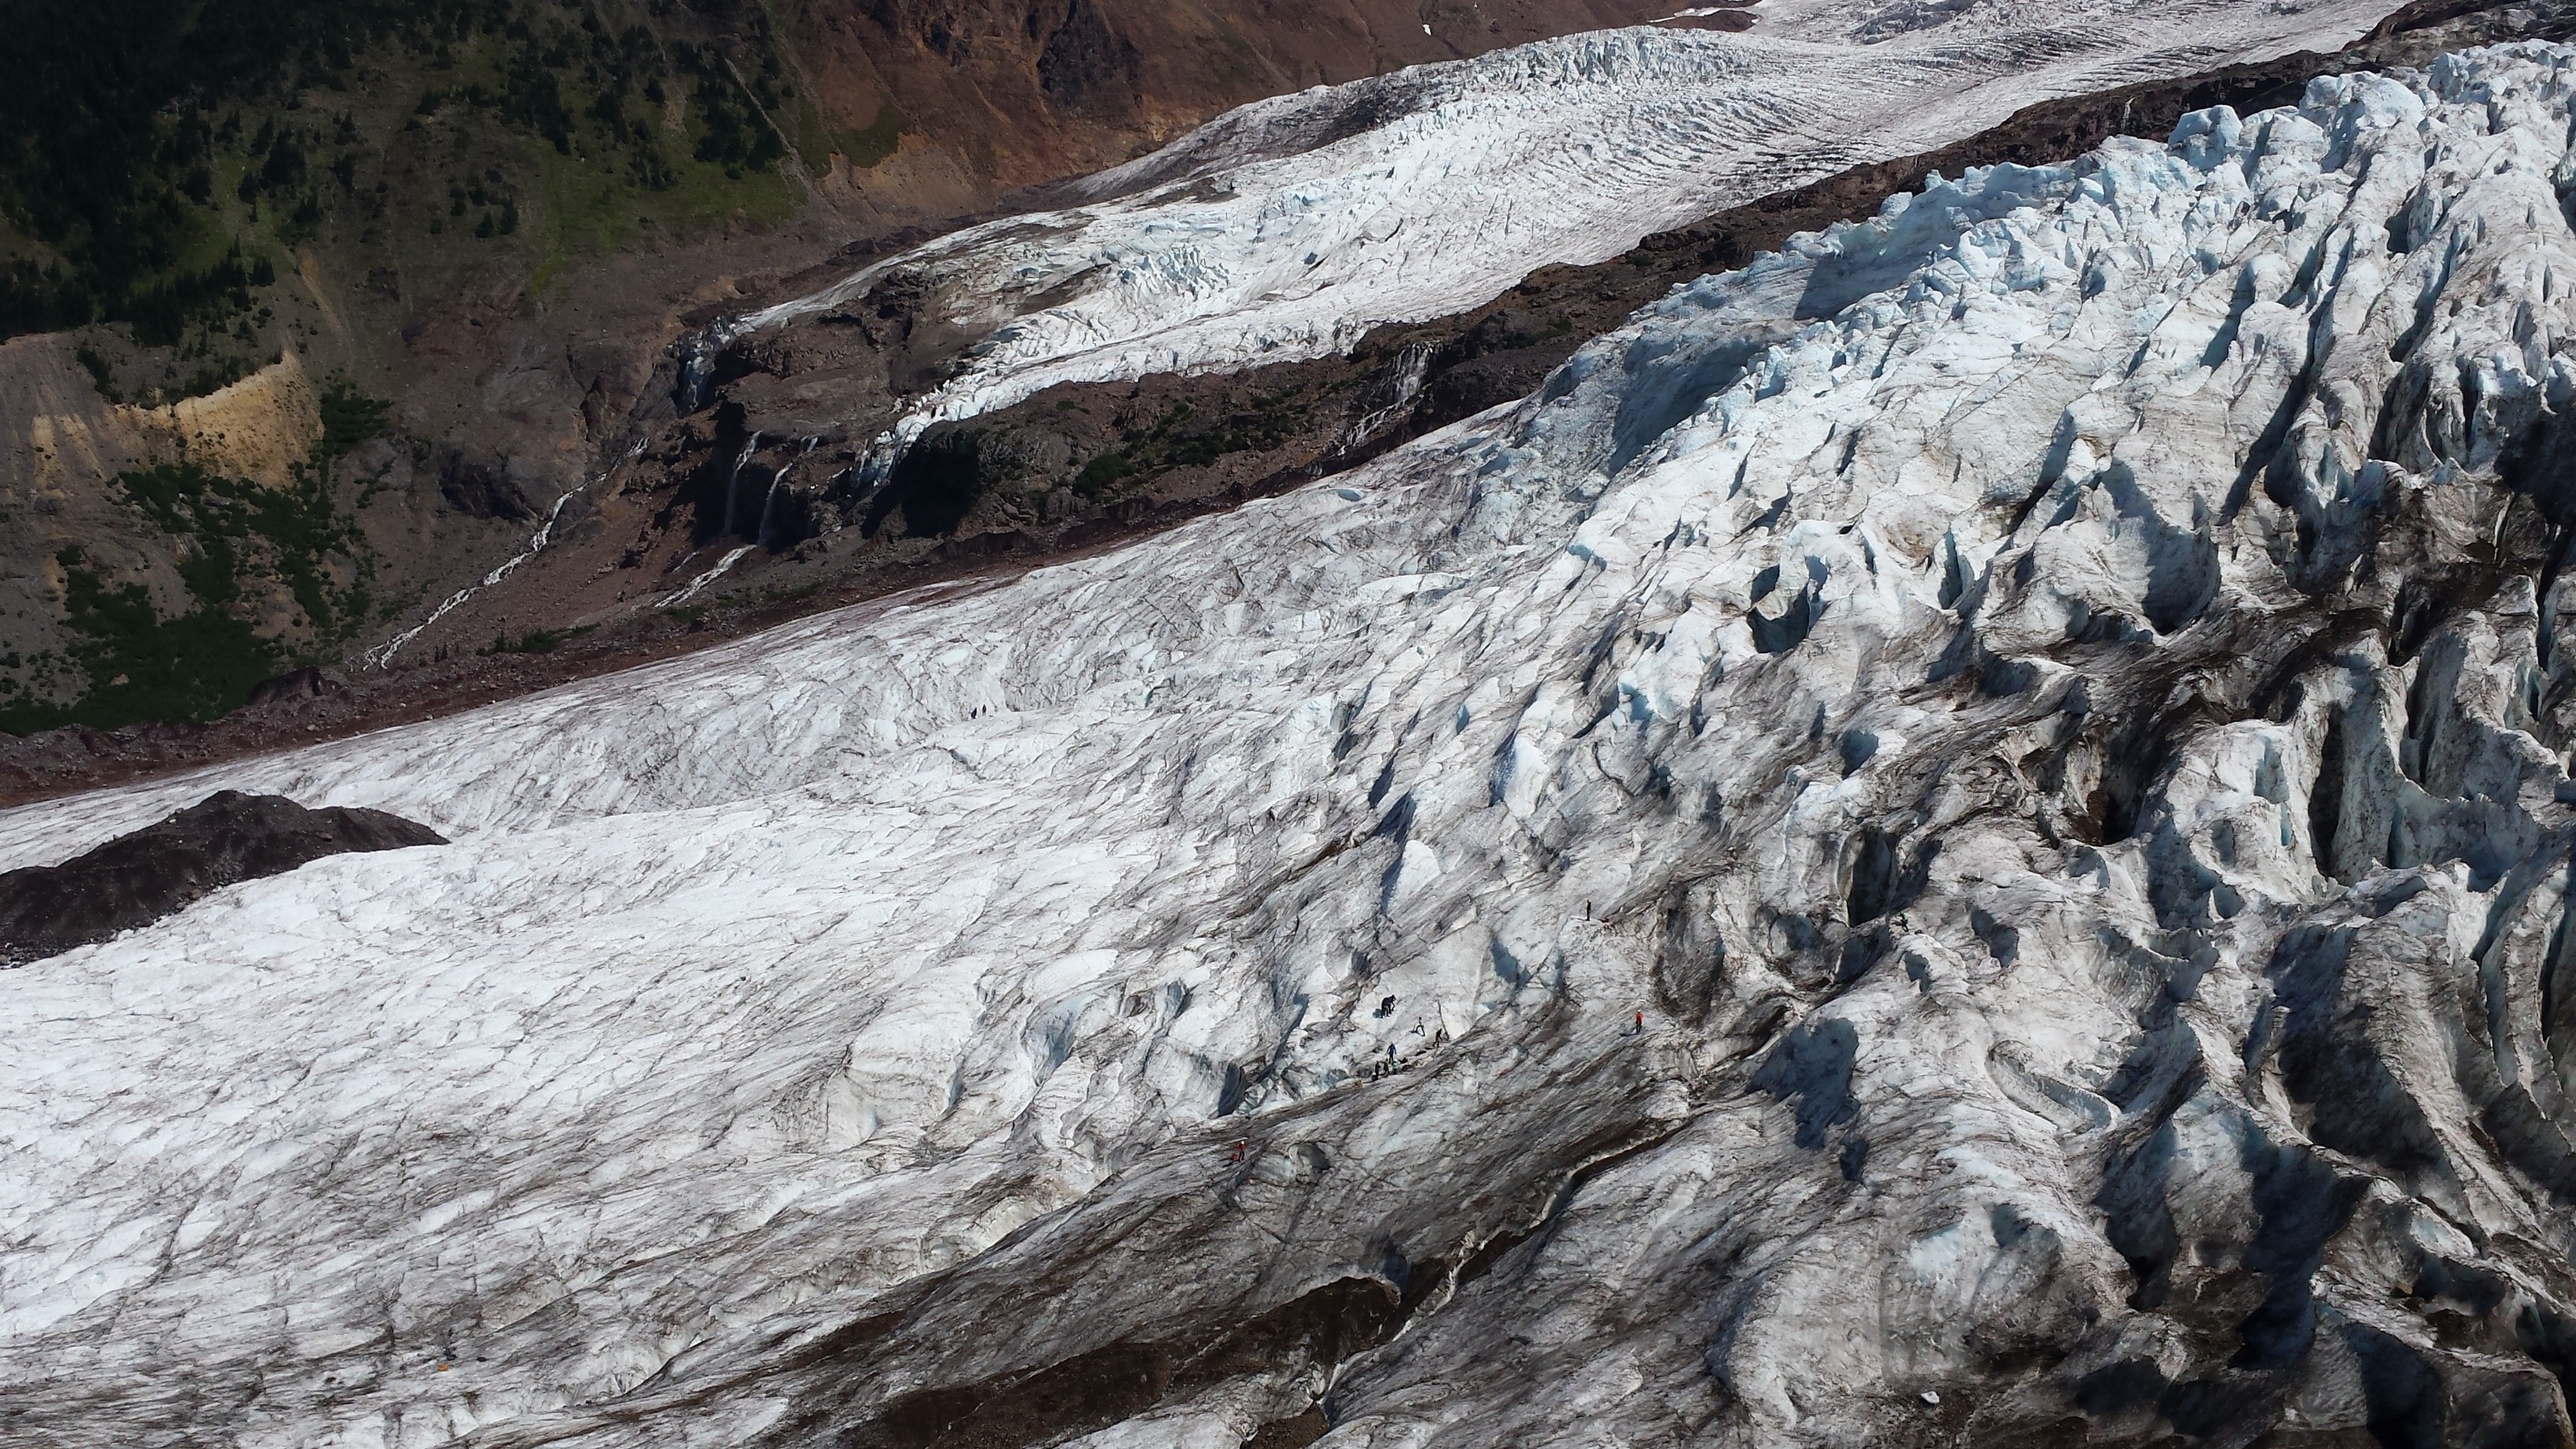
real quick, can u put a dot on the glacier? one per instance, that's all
(1961, 835)
(1289, 228)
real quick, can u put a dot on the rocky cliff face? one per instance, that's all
(1958, 836)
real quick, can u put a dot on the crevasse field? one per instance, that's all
(2050, 702)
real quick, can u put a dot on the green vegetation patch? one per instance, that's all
(102, 376)
(130, 664)
(300, 526)
(349, 417)
(878, 140)
(1182, 438)
(131, 380)
(1098, 475)
(108, 144)
(156, 154)
(818, 138)
(137, 666)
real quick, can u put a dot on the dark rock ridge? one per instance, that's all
(138, 878)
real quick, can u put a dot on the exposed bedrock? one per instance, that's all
(138, 878)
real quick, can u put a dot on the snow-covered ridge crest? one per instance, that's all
(2051, 703)
(1288, 229)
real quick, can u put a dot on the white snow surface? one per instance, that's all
(1289, 228)
(894, 966)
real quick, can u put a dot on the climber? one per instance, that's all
(1641, 1023)
(1386, 1008)
(1241, 1146)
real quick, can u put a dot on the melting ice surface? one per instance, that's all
(1958, 679)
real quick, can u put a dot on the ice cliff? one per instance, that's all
(2052, 704)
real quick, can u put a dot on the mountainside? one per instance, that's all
(1958, 835)
(809, 464)
(1286, 231)
(479, 224)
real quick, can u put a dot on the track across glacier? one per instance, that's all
(1289, 228)
(2050, 704)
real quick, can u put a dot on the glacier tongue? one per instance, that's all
(1288, 229)
(2049, 703)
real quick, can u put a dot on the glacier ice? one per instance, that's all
(1289, 228)
(2051, 702)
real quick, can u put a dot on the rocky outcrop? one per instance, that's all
(140, 877)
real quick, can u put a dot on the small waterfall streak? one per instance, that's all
(732, 556)
(697, 354)
(383, 654)
(733, 484)
(1412, 366)
(864, 477)
(769, 504)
